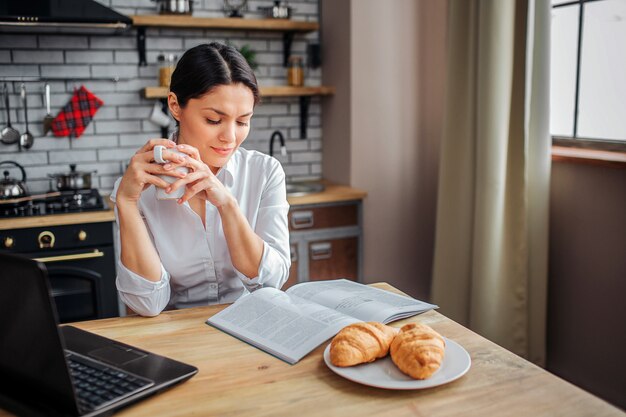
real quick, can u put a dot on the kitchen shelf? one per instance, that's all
(224, 23)
(273, 91)
(287, 91)
(289, 27)
(305, 94)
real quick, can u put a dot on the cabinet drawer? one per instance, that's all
(323, 217)
(334, 258)
(51, 238)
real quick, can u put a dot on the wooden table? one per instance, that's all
(237, 379)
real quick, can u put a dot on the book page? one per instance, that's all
(286, 326)
(360, 301)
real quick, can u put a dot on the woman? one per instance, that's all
(228, 234)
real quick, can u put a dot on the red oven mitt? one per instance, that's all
(73, 119)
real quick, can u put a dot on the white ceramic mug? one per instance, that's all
(158, 158)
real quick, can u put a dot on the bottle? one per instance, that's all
(167, 64)
(295, 71)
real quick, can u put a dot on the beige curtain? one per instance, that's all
(490, 269)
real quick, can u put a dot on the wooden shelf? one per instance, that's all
(287, 91)
(287, 26)
(223, 23)
(274, 91)
(304, 93)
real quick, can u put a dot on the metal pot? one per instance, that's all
(280, 10)
(73, 180)
(10, 187)
(174, 6)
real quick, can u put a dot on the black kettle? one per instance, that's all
(11, 187)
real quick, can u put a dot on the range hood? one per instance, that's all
(59, 16)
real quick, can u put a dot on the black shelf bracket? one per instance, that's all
(304, 114)
(287, 41)
(141, 46)
(164, 130)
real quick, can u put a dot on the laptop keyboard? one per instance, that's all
(98, 385)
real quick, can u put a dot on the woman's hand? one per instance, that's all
(200, 181)
(143, 171)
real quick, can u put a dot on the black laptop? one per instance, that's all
(64, 371)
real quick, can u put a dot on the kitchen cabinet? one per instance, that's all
(79, 258)
(293, 271)
(334, 258)
(326, 241)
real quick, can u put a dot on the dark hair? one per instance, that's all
(206, 66)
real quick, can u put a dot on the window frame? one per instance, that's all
(575, 140)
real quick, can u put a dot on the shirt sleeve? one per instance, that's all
(143, 296)
(272, 227)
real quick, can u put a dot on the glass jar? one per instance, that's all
(295, 71)
(167, 64)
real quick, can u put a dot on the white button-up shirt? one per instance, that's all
(195, 262)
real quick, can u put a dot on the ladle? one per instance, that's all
(9, 135)
(27, 139)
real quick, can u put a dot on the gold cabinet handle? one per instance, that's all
(8, 242)
(82, 235)
(88, 255)
(46, 239)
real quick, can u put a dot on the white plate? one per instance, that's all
(383, 373)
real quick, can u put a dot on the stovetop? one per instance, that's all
(67, 202)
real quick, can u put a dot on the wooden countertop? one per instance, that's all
(332, 193)
(59, 219)
(236, 379)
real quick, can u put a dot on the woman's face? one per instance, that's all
(216, 123)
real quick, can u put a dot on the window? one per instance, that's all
(588, 72)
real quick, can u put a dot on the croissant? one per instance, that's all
(417, 350)
(360, 343)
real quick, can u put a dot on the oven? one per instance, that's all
(81, 266)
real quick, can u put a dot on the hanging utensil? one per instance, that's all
(27, 139)
(8, 136)
(48, 118)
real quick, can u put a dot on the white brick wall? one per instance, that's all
(121, 125)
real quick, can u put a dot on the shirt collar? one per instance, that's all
(228, 170)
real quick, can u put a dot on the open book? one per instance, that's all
(291, 324)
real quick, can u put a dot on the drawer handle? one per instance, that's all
(302, 219)
(46, 239)
(95, 254)
(321, 251)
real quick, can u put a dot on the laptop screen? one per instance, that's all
(32, 360)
